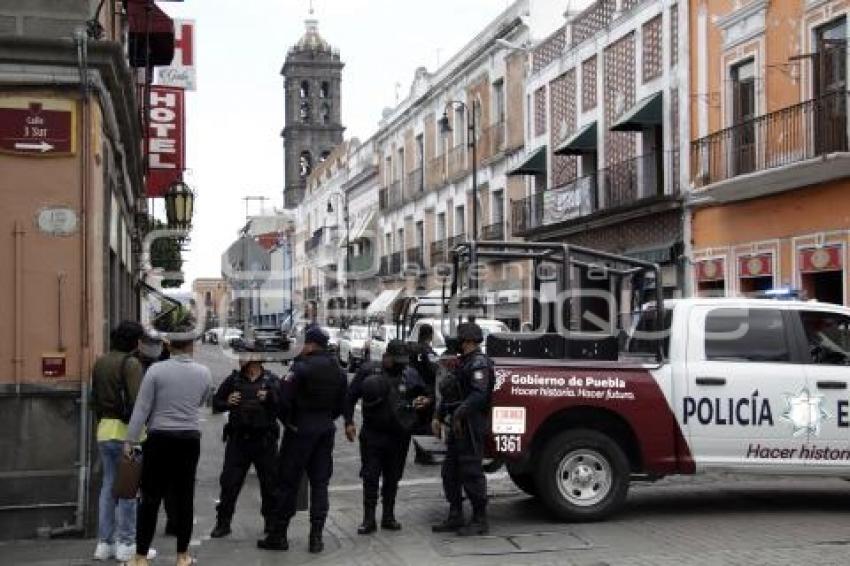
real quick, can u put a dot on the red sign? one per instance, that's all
(710, 270)
(53, 365)
(755, 266)
(34, 130)
(821, 259)
(166, 139)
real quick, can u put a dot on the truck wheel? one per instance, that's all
(524, 481)
(583, 475)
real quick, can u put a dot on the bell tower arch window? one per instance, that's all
(305, 164)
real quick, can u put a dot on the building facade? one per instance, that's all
(602, 163)
(216, 297)
(72, 201)
(769, 159)
(313, 104)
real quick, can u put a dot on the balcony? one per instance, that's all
(438, 252)
(454, 241)
(437, 174)
(362, 264)
(771, 146)
(626, 182)
(573, 200)
(395, 263)
(414, 261)
(316, 240)
(495, 231)
(391, 198)
(456, 161)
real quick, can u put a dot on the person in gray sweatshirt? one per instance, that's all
(168, 406)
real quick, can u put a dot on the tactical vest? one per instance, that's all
(387, 403)
(319, 385)
(251, 413)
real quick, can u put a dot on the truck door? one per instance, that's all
(742, 385)
(826, 351)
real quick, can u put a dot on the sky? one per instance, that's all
(234, 119)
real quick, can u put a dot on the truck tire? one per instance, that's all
(524, 481)
(583, 475)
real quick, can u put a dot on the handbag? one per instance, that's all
(129, 476)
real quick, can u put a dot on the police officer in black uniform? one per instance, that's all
(392, 395)
(312, 397)
(464, 410)
(251, 433)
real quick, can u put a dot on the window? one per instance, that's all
(828, 336)
(304, 112)
(460, 221)
(498, 206)
(400, 239)
(499, 100)
(324, 156)
(745, 335)
(325, 90)
(420, 234)
(326, 113)
(305, 90)
(459, 126)
(743, 111)
(441, 226)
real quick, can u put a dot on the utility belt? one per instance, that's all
(248, 433)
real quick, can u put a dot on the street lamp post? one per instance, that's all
(446, 128)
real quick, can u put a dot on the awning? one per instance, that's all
(381, 305)
(534, 164)
(150, 34)
(647, 113)
(360, 228)
(583, 141)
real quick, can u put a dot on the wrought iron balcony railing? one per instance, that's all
(491, 142)
(495, 231)
(803, 131)
(415, 185)
(456, 161)
(437, 176)
(438, 252)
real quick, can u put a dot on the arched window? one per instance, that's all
(305, 90)
(326, 113)
(304, 113)
(305, 164)
(325, 155)
(325, 90)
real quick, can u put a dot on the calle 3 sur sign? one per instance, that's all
(43, 127)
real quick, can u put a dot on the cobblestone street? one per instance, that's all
(705, 520)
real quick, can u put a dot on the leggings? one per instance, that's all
(168, 470)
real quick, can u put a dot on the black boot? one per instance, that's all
(477, 526)
(170, 529)
(316, 545)
(276, 539)
(369, 524)
(451, 524)
(221, 529)
(388, 522)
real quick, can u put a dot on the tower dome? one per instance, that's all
(311, 40)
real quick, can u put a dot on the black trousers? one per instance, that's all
(300, 452)
(463, 471)
(169, 465)
(383, 456)
(242, 451)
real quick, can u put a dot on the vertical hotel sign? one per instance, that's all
(181, 73)
(166, 139)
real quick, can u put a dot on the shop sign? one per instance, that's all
(166, 139)
(755, 266)
(710, 270)
(37, 127)
(827, 258)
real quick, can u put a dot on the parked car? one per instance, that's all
(488, 326)
(354, 346)
(381, 335)
(219, 335)
(264, 338)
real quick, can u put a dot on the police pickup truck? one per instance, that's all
(742, 385)
(617, 383)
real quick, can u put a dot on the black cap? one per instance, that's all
(399, 351)
(316, 335)
(469, 331)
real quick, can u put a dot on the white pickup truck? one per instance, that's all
(743, 385)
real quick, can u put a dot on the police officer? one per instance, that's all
(392, 395)
(251, 433)
(463, 410)
(312, 397)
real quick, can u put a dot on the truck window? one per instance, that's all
(644, 338)
(745, 335)
(828, 335)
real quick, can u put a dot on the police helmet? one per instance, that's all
(469, 331)
(398, 351)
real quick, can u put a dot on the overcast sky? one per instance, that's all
(234, 119)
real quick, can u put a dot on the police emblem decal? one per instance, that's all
(804, 412)
(501, 377)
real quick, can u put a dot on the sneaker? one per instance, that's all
(126, 552)
(104, 551)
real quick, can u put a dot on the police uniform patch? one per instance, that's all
(478, 375)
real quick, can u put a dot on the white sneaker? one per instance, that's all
(104, 551)
(127, 552)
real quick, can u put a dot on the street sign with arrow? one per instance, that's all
(42, 128)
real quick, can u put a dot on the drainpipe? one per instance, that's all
(18, 360)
